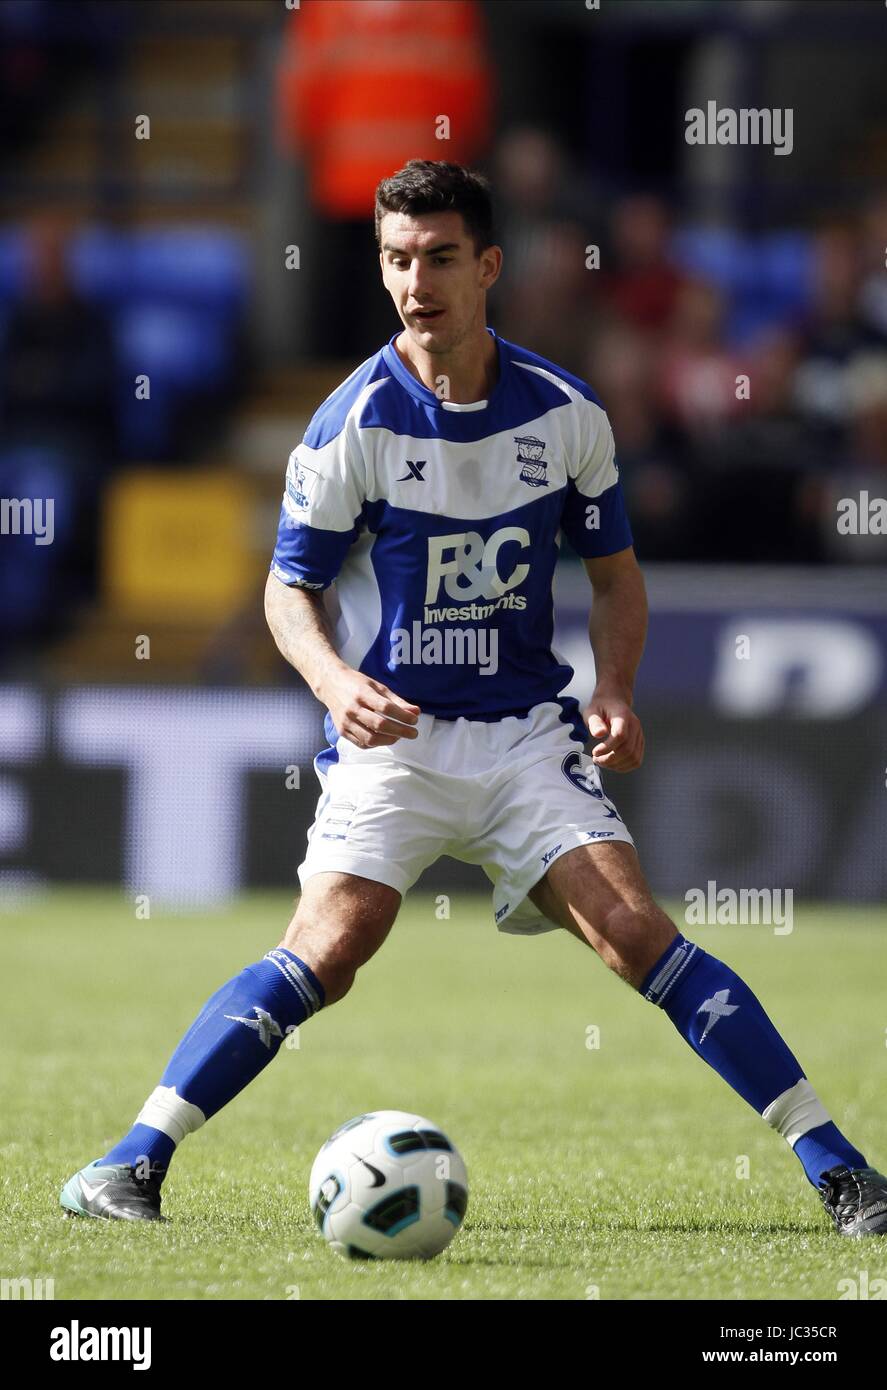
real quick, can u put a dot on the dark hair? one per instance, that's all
(433, 185)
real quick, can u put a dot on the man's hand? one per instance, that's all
(365, 711)
(611, 718)
(617, 629)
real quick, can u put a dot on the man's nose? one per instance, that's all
(418, 279)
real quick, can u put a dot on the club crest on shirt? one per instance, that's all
(529, 456)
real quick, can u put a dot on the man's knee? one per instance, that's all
(600, 894)
(339, 924)
(633, 936)
(335, 963)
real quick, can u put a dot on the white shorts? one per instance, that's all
(511, 796)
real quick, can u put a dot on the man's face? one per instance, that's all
(437, 282)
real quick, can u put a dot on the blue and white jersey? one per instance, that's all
(441, 523)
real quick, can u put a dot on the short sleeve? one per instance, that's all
(594, 519)
(321, 512)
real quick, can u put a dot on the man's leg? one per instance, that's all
(599, 893)
(341, 921)
(339, 925)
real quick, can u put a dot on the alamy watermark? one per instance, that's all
(27, 1289)
(741, 126)
(862, 516)
(446, 646)
(28, 516)
(77, 1343)
(728, 907)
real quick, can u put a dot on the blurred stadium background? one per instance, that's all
(179, 293)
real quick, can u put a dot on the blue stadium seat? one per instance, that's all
(101, 265)
(205, 266)
(178, 345)
(182, 350)
(766, 280)
(29, 573)
(200, 266)
(176, 297)
(714, 254)
(787, 270)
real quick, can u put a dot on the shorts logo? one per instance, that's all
(502, 911)
(584, 781)
(469, 565)
(572, 769)
(529, 456)
(598, 834)
(338, 814)
(549, 854)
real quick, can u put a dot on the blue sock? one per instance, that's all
(233, 1038)
(825, 1147)
(717, 1014)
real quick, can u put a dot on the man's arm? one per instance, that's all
(617, 629)
(363, 710)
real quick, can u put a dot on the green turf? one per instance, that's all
(606, 1172)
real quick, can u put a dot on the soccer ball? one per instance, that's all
(388, 1186)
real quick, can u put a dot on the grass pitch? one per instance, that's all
(610, 1171)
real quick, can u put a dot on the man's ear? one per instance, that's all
(491, 265)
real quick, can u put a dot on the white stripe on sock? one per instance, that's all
(170, 1113)
(796, 1111)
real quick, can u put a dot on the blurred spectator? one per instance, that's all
(653, 459)
(836, 328)
(545, 293)
(549, 308)
(57, 367)
(862, 472)
(753, 490)
(697, 375)
(642, 285)
(873, 290)
(363, 87)
(536, 190)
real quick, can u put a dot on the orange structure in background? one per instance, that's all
(363, 86)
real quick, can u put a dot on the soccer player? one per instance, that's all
(433, 487)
